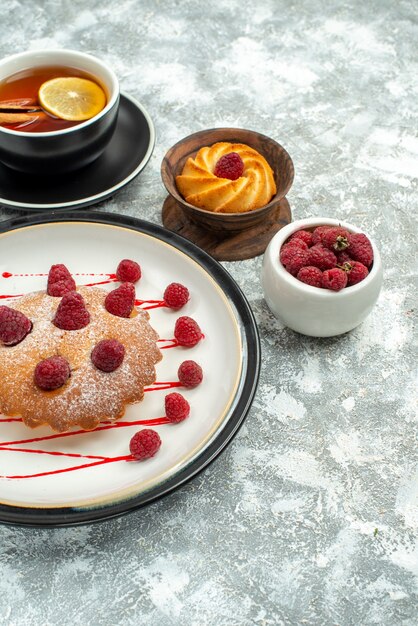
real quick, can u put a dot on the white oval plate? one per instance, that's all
(94, 243)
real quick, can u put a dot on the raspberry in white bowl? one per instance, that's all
(319, 285)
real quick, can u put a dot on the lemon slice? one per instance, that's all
(71, 98)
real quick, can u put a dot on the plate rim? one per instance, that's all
(94, 199)
(72, 516)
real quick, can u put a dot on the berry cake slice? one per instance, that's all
(90, 393)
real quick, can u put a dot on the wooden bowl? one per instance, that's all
(209, 229)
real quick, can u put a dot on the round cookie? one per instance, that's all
(200, 186)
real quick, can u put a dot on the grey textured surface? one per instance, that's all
(310, 516)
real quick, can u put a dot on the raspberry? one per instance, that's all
(51, 373)
(229, 166)
(60, 281)
(299, 242)
(187, 331)
(318, 233)
(299, 259)
(107, 355)
(360, 249)
(176, 295)
(14, 326)
(190, 374)
(335, 279)
(321, 257)
(289, 250)
(304, 235)
(120, 301)
(356, 272)
(71, 313)
(176, 407)
(343, 257)
(144, 444)
(310, 275)
(336, 239)
(128, 271)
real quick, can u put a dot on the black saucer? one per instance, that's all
(126, 155)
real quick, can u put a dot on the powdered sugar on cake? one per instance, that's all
(89, 395)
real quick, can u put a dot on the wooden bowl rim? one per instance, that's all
(171, 187)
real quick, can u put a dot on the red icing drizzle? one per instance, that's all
(69, 469)
(101, 282)
(171, 343)
(10, 274)
(161, 386)
(151, 304)
(111, 278)
(9, 446)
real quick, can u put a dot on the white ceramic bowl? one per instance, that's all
(69, 148)
(311, 310)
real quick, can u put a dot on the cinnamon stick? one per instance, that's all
(19, 118)
(19, 104)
